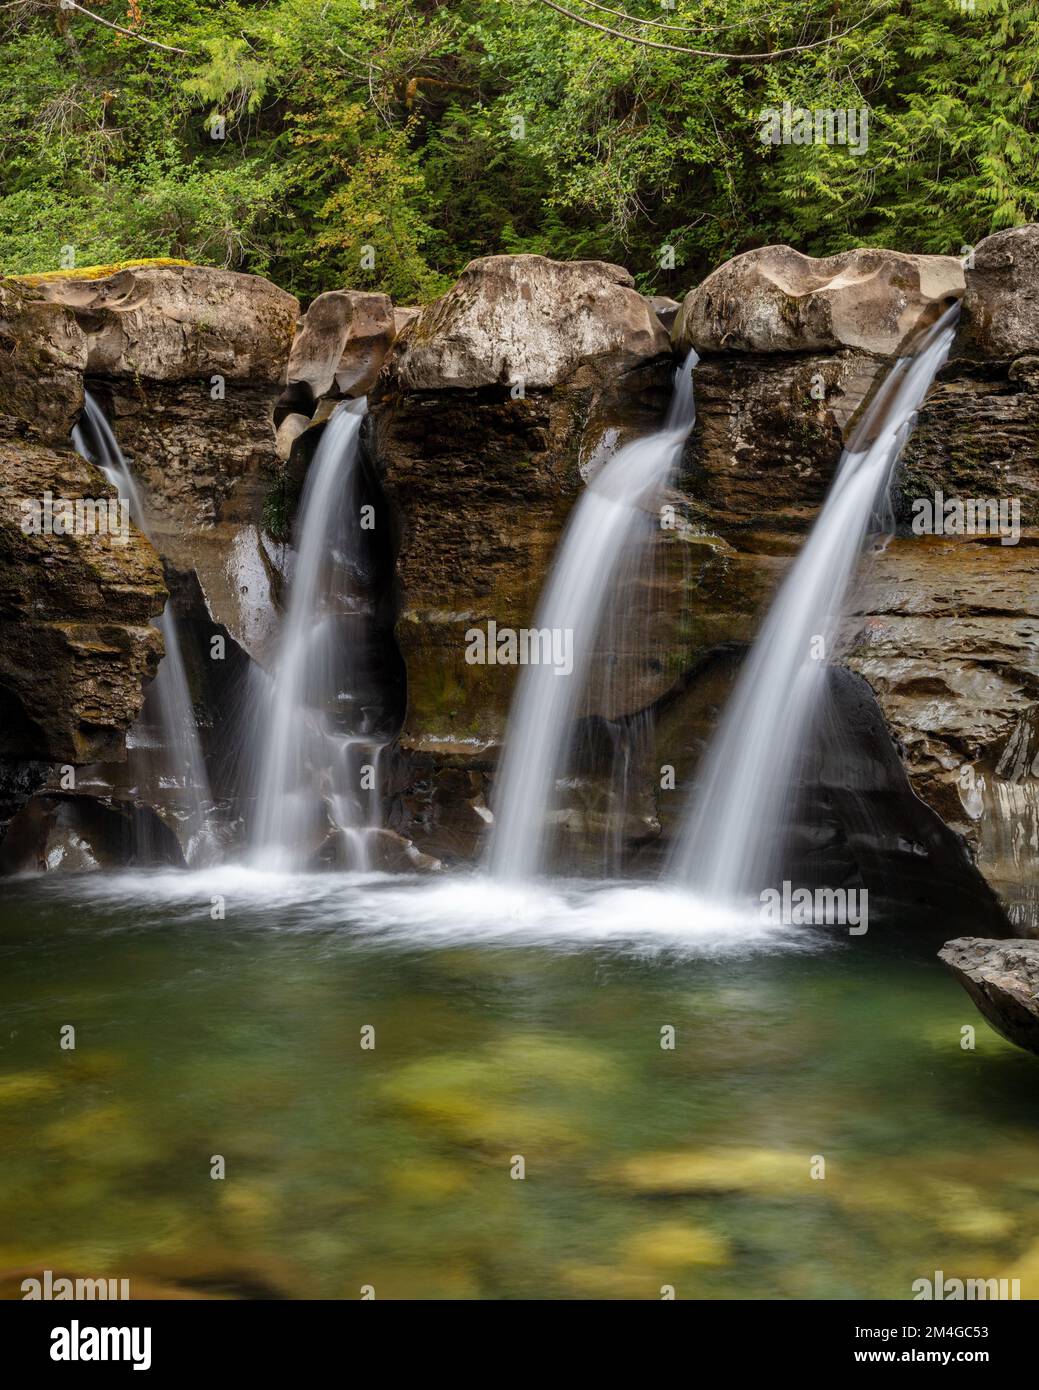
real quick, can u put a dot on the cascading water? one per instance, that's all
(94, 438)
(602, 526)
(733, 836)
(318, 776)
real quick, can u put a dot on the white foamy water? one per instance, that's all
(564, 916)
(609, 517)
(733, 837)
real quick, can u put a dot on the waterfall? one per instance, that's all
(732, 840)
(602, 526)
(318, 776)
(94, 439)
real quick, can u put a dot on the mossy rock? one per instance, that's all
(95, 272)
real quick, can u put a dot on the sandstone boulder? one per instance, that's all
(1001, 305)
(665, 308)
(775, 299)
(529, 319)
(1002, 977)
(342, 342)
(174, 323)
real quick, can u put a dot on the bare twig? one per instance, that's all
(130, 33)
(701, 52)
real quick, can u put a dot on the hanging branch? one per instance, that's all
(130, 34)
(660, 24)
(701, 52)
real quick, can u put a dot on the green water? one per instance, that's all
(391, 1167)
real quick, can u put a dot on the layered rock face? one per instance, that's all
(494, 406)
(75, 609)
(186, 362)
(1002, 977)
(944, 627)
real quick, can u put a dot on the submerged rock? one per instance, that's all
(1002, 977)
(770, 1172)
(774, 299)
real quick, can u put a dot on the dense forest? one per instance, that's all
(384, 143)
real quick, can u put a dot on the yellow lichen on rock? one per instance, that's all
(95, 272)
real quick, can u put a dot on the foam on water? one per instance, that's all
(564, 915)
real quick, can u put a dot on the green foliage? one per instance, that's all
(385, 146)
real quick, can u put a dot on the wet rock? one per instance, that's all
(774, 299)
(290, 429)
(393, 854)
(75, 833)
(75, 612)
(1001, 306)
(946, 630)
(239, 584)
(666, 309)
(1002, 977)
(526, 319)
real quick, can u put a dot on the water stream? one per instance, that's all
(732, 843)
(185, 767)
(318, 778)
(609, 518)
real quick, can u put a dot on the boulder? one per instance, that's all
(403, 315)
(1001, 304)
(177, 323)
(1002, 977)
(342, 342)
(665, 308)
(526, 319)
(75, 612)
(775, 299)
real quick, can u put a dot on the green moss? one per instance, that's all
(279, 508)
(94, 272)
